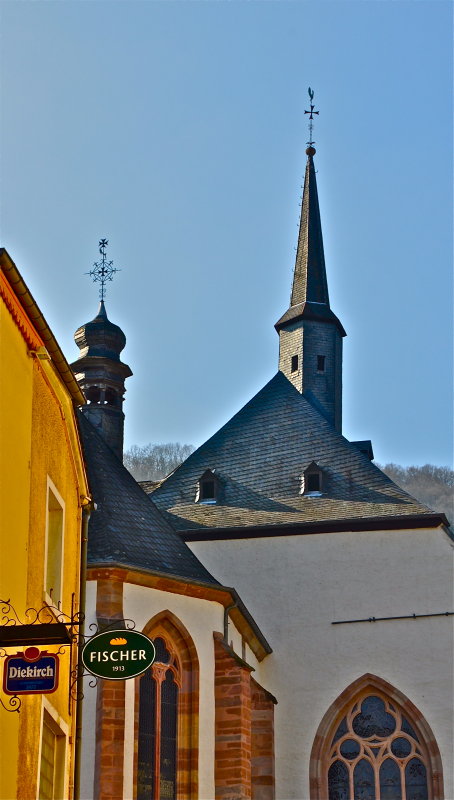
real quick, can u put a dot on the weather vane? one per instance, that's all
(311, 116)
(103, 270)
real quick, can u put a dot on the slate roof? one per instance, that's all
(127, 528)
(259, 457)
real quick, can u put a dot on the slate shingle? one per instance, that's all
(259, 457)
(126, 527)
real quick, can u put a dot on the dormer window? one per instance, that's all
(312, 481)
(207, 488)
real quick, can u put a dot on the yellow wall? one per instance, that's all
(38, 440)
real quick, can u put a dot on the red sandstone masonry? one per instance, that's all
(262, 743)
(110, 707)
(232, 724)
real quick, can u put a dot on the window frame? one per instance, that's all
(58, 726)
(370, 684)
(208, 476)
(167, 626)
(312, 470)
(321, 364)
(51, 599)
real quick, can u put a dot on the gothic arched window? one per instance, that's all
(375, 754)
(377, 748)
(167, 700)
(158, 714)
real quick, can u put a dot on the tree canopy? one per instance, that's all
(432, 485)
(154, 461)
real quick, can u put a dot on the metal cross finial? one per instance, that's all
(103, 270)
(311, 116)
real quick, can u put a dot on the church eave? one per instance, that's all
(176, 584)
(309, 311)
(92, 362)
(354, 525)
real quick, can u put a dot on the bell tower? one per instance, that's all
(99, 371)
(310, 334)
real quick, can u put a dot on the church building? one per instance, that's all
(300, 602)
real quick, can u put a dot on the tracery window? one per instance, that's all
(376, 754)
(158, 726)
(167, 713)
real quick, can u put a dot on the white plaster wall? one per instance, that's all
(89, 709)
(296, 586)
(200, 618)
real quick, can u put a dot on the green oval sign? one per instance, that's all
(117, 655)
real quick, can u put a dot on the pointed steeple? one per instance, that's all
(309, 278)
(310, 334)
(309, 297)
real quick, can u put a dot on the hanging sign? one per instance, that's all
(31, 672)
(117, 655)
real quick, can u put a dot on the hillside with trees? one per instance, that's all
(432, 485)
(154, 461)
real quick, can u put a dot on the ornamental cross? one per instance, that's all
(103, 270)
(311, 116)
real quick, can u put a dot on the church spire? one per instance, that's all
(310, 334)
(309, 278)
(309, 297)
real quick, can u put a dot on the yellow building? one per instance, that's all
(44, 508)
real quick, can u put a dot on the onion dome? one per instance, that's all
(100, 337)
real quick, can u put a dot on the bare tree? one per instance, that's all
(154, 461)
(433, 486)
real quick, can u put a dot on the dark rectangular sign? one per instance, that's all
(23, 676)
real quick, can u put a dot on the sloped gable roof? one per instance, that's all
(260, 456)
(126, 527)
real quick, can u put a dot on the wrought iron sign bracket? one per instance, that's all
(48, 625)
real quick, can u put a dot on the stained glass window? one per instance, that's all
(364, 781)
(338, 781)
(158, 720)
(390, 780)
(375, 754)
(416, 780)
(341, 731)
(147, 729)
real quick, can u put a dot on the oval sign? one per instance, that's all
(118, 655)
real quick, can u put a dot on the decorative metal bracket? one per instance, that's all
(52, 626)
(47, 625)
(78, 672)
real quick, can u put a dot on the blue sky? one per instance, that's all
(177, 131)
